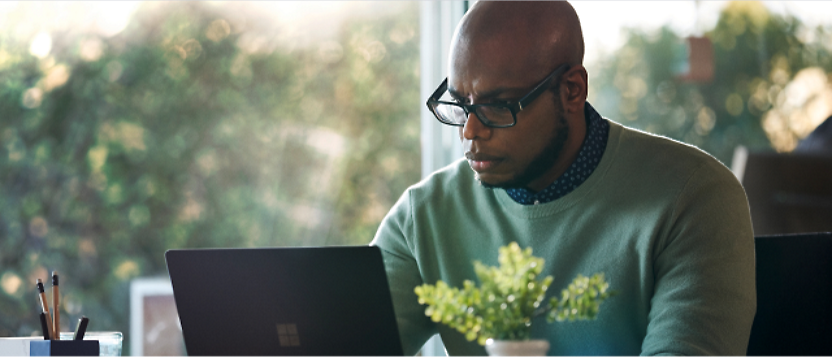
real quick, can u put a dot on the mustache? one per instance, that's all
(480, 157)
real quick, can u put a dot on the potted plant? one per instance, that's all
(499, 313)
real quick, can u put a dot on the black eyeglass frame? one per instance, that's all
(513, 107)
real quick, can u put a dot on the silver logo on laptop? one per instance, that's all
(287, 334)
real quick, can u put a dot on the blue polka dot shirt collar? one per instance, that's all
(589, 156)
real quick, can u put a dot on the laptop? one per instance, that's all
(284, 301)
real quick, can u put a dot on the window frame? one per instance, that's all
(440, 144)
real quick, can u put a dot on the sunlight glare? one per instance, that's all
(113, 16)
(807, 103)
(41, 45)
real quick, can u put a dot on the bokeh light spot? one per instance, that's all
(11, 283)
(97, 157)
(38, 227)
(191, 210)
(218, 30)
(192, 48)
(56, 77)
(373, 52)
(86, 248)
(32, 98)
(126, 270)
(705, 121)
(139, 215)
(41, 45)
(114, 194)
(734, 104)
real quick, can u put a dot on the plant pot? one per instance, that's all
(517, 348)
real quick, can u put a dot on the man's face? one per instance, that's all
(518, 156)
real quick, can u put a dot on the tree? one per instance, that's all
(756, 53)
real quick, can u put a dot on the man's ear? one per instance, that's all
(574, 90)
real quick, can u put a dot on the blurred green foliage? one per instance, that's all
(756, 53)
(173, 135)
(509, 298)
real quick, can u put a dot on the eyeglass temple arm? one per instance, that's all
(537, 91)
(439, 91)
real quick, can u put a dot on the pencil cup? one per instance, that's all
(109, 341)
(63, 348)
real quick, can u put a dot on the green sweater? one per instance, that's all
(666, 223)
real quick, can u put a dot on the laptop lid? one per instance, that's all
(284, 301)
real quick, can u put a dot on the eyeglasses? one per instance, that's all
(496, 115)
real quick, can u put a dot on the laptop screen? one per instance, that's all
(284, 301)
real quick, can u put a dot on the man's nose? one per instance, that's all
(474, 128)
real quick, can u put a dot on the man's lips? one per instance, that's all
(481, 162)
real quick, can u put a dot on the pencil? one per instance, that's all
(45, 305)
(81, 328)
(44, 326)
(56, 303)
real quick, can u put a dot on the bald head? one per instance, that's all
(544, 33)
(503, 52)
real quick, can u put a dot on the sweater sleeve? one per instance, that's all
(403, 275)
(705, 295)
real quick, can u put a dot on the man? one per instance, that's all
(666, 223)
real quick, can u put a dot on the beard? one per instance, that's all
(544, 160)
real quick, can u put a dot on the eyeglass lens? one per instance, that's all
(451, 113)
(489, 115)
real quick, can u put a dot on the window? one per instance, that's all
(130, 129)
